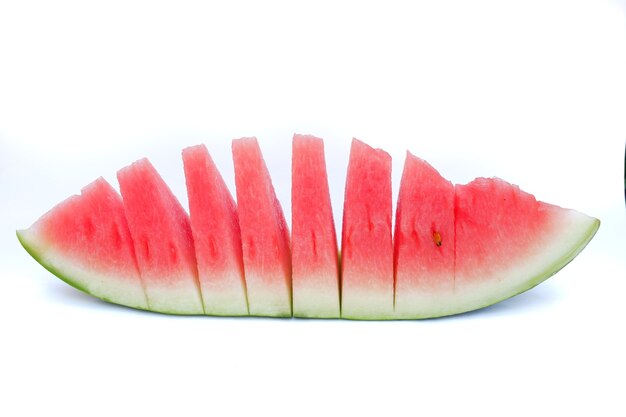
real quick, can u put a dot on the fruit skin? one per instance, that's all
(35, 254)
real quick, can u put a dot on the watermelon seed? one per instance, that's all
(437, 238)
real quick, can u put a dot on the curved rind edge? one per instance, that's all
(526, 285)
(551, 269)
(530, 283)
(34, 253)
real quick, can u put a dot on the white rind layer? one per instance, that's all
(224, 295)
(425, 302)
(181, 296)
(267, 299)
(108, 286)
(313, 298)
(367, 304)
(570, 233)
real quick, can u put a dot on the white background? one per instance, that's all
(533, 92)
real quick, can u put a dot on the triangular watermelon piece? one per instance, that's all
(315, 263)
(264, 233)
(424, 242)
(163, 240)
(216, 235)
(367, 252)
(85, 241)
(507, 242)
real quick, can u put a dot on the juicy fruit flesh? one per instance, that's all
(142, 252)
(216, 236)
(424, 240)
(367, 254)
(166, 259)
(264, 234)
(315, 274)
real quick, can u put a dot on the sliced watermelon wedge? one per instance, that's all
(366, 246)
(216, 236)
(455, 249)
(162, 238)
(424, 241)
(508, 242)
(264, 233)
(314, 255)
(85, 241)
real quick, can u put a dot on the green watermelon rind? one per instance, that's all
(38, 256)
(40, 260)
(547, 272)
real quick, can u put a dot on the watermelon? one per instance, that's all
(314, 256)
(85, 241)
(424, 241)
(216, 236)
(456, 248)
(264, 233)
(366, 245)
(163, 241)
(508, 242)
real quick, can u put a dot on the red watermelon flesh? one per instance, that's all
(367, 253)
(85, 241)
(216, 235)
(264, 233)
(424, 241)
(162, 239)
(315, 263)
(508, 242)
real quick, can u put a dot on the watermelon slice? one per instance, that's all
(162, 239)
(507, 242)
(216, 236)
(424, 242)
(264, 233)
(314, 254)
(85, 241)
(367, 252)
(456, 248)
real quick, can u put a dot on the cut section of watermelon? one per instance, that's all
(264, 233)
(507, 242)
(423, 241)
(163, 241)
(216, 235)
(85, 241)
(367, 252)
(314, 255)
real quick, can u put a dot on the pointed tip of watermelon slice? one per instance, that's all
(575, 231)
(29, 243)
